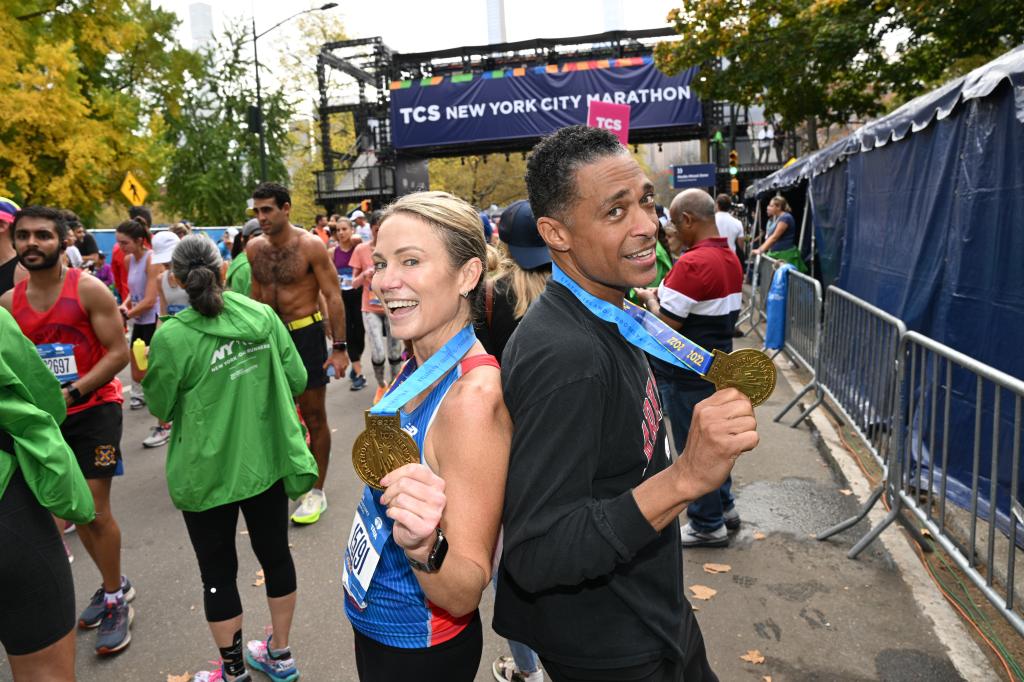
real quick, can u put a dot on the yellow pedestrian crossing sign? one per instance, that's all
(133, 190)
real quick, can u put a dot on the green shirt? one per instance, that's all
(227, 383)
(30, 418)
(239, 275)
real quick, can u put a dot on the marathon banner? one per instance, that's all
(532, 102)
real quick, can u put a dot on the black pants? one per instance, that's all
(694, 669)
(456, 660)
(355, 334)
(37, 601)
(213, 535)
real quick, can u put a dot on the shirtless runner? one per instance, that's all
(290, 271)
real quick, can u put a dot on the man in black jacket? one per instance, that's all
(591, 575)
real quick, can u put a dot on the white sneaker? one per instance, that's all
(692, 537)
(312, 505)
(136, 403)
(158, 436)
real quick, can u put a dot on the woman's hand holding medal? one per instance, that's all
(415, 499)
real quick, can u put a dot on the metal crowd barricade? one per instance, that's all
(857, 368)
(928, 378)
(803, 328)
(764, 269)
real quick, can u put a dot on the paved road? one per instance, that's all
(813, 613)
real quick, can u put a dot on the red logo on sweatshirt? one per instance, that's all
(652, 417)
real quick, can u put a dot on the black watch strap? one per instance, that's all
(73, 391)
(340, 346)
(436, 557)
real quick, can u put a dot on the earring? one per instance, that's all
(464, 294)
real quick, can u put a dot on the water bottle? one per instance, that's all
(141, 354)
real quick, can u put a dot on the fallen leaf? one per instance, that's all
(259, 578)
(759, 535)
(243, 532)
(766, 678)
(753, 656)
(702, 592)
(186, 677)
(260, 573)
(846, 491)
(334, 430)
(717, 568)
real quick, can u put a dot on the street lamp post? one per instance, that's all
(259, 92)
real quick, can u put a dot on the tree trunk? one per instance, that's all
(812, 133)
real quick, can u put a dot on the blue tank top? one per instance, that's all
(398, 613)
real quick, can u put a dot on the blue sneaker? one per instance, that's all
(115, 628)
(257, 655)
(92, 615)
(358, 383)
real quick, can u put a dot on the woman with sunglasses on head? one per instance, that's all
(412, 593)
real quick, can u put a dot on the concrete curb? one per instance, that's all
(964, 653)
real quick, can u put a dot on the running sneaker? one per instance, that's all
(69, 527)
(159, 435)
(358, 383)
(115, 628)
(504, 670)
(732, 519)
(136, 403)
(257, 655)
(379, 394)
(692, 537)
(313, 504)
(93, 613)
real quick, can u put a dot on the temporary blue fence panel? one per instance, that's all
(829, 192)
(933, 235)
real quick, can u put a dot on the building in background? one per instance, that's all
(496, 21)
(200, 19)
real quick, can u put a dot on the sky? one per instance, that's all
(408, 26)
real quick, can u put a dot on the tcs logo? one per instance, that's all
(613, 124)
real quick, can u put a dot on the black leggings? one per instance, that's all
(456, 660)
(355, 334)
(37, 601)
(213, 537)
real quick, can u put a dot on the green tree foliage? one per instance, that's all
(83, 88)
(812, 62)
(480, 180)
(215, 160)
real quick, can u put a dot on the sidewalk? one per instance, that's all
(811, 612)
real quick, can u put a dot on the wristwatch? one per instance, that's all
(340, 346)
(73, 391)
(436, 557)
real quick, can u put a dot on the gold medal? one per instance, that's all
(381, 448)
(748, 370)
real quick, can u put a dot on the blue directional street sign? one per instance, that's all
(693, 175)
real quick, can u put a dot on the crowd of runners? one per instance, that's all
(502, 358)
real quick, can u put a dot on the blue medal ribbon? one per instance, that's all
(433, 369)
(642, 328)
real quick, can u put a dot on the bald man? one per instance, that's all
(700, 297)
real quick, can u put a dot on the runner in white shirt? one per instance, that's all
(728, 226)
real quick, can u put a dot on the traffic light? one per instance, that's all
(734, 162)
(734, 186)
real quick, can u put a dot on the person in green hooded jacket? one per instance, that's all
(38, 476)
(225, 371)
(239, 274)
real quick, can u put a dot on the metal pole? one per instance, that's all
(259, 107)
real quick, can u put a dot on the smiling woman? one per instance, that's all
(417, 587)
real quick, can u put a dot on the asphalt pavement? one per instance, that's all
(810, 612)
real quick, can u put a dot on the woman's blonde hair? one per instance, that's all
(456, 222)
(526, 285)
(781, 202)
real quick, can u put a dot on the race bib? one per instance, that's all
(345, 278)
(60, 358)
(175, 309)
(365, 543)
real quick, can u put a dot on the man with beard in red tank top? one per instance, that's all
(74, 322)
